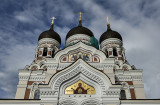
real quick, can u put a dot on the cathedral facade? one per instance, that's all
(84, 72)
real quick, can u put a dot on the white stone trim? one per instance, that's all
(81, 67)
(91, 101)
(37, 78)
(78, 37)
(23, 78)
(109, 43)
(48, 40)
(68, 102)
(77, 70)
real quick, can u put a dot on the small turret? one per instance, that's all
(48, 43)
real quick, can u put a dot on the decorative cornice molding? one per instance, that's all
(75, 38)
(101, 66)
(23, 78)
(110, 42)
(128, 78)
(47, 93)
(49, 40)
(37, 78)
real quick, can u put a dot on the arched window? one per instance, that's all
(36, 94)
(53, 53)
(114, 52)
(106, 51)
(45, 51)
(123, 94)
(80, 87)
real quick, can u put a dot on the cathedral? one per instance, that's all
(84, 72)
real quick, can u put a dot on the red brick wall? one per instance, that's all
(27, 94)
(133, 96)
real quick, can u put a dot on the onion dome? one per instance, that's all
(79, 30)
(109, 34)
(50, 34)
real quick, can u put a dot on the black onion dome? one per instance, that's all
(109, 34)
(79, 30)
(50, 34)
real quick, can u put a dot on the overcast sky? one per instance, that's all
(21, 23)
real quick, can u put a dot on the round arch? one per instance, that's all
(81, 77)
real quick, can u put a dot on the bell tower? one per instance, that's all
(30, 77)
(111, 43)
(48, 43)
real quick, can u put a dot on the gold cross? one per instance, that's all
(107, 19)
(53, 18)
(80, 15)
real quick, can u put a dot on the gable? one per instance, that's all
(80, 50)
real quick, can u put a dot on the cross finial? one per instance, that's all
(80, 16)
(107, 20)
(53, 18)
(108, 25)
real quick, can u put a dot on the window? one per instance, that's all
(106, 52)
(36, 94)
(52, 53)
(45, 51)
(114, 52)
(123, 94)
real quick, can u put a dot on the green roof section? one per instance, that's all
(94, 42)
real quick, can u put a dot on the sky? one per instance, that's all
(22, 21)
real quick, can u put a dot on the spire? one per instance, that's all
(52, 23)
(80, 18)
(108, 25)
